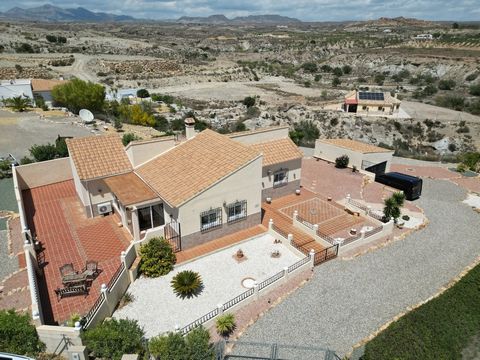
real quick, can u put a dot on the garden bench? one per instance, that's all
(71, 291)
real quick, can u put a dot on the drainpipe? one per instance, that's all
(89, 199)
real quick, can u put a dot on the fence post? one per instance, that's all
(295, 215)
(369, 209)
(362, 234)
(256, 291)
(220, 309)
(104, 292)
(348, 198)
(312, 258)
(285, 273)
(315, 228)
(290, 238)
(270, 224)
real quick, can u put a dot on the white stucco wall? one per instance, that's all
(294, 172)
(244, 184)
(259, 136)
(140, 152)
(330, 152)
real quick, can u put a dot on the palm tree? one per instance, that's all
(187, 283)
(391, 210)
(18, 103)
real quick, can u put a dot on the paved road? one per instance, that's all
(348, 300)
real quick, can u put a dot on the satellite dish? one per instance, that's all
(86, 115)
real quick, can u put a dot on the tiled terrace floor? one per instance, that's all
(56, 216)
(218, 244)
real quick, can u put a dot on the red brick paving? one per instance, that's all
(55, 216)
(324, 178)
(434, 172)
(15, 293)
(471, 183)
(15, 235)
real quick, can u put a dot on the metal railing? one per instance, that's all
(298, 264)
(304, 222)
(326, 237)
(208, 316)
(87, 319)
(115, 277)
(271, 280)
(373, 231)
(238, 299)
(279, 231)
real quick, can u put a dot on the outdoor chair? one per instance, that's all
(91, 269)
(67, 269)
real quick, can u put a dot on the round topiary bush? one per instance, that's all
(157, 258)
(342, 162)
(187, 283)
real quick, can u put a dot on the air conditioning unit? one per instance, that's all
(104, 208)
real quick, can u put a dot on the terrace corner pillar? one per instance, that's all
(135, 225)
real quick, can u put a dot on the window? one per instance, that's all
(280, 178)
(210, 219)
(237, 211)
(150, 217)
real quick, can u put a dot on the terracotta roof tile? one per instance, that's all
(193, 166)
(278, 151)
(356, 145)
(129, 189)
(98, 156)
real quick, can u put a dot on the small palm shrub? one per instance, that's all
(342, 162)
(187, 283)
(157, 258)
(225, 324)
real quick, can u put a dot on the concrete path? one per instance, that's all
(348, 300)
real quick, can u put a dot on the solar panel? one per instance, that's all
(370, 96)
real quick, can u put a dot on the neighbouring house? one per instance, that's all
(424, 37)
(203, 188)
(120, 94)
(371, 103)
(364, 157)
(14, 88)
(44, 87)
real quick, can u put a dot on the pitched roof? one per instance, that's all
(193, 166)
(45, 85)
(357, 146)
(98, 156)
(129, 189)
(278, 151)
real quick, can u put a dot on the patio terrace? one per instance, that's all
(56, 217)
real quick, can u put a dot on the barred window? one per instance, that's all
(237, 211)
(280, 178)
(211, 219)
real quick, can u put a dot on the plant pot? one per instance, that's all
(268, 200)
(297, 191)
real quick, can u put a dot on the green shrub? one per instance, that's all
(317, 78)
(379, 79)
(337, 72)
(475, 90)
(249, 101)
(173, 346)
(225, 324)
(75, 317)
(336, 81)
(341, 162)
(18, 334)
(446, 84)
(471, 77)
(18, 103)
(304, 133)
(43, 152)
(78, 94)
(113, 338)
(25, 48)
(309, 67)
(143, 93)
(440, 329)
(307, 84)
(129, 137)
(187, 284)
(406, 217)
(157, 258)
(347, 69)
(455, 102)
(393, 205)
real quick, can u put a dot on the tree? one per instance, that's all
(347, 69)
(129, 137)
(24, 48)
(392, 206)
(446, 84)
(317, 78)
(117, 124)
(455, 25)
(336, 81)
(18, 335)
(198, 345)
(475, 90)
(341, 162)
(305, 132)
(337, 72)
(171, 346)
(61, 147)
(309, 67)
(143, 93)
(249, 101)
(225, 324)
(187, 283)
(113, 338)
(43, 152)
(157, 258)
(379, 79)
(18, 103)
(78, 94)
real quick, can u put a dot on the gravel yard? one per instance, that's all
(158, 309)
(346, 301)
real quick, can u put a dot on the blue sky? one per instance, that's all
(321, 10)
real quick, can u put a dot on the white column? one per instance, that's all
(135, 225)
(285, 273)
(270, 223)
(362, 234)
(220, 309)
(295, 215)
(312, 258)
(290, 238)
(256, 291)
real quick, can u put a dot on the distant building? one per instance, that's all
(44, 88)
(375, 103)
(424, 37)
(120, 94)
(14, 88)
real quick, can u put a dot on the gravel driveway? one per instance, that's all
(348, 300)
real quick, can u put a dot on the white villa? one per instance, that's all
(192, 192)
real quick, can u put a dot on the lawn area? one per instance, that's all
(443, 328)
(7, 196)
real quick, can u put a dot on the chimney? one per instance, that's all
(190, 128)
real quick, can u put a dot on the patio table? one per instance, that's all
(72, 279)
